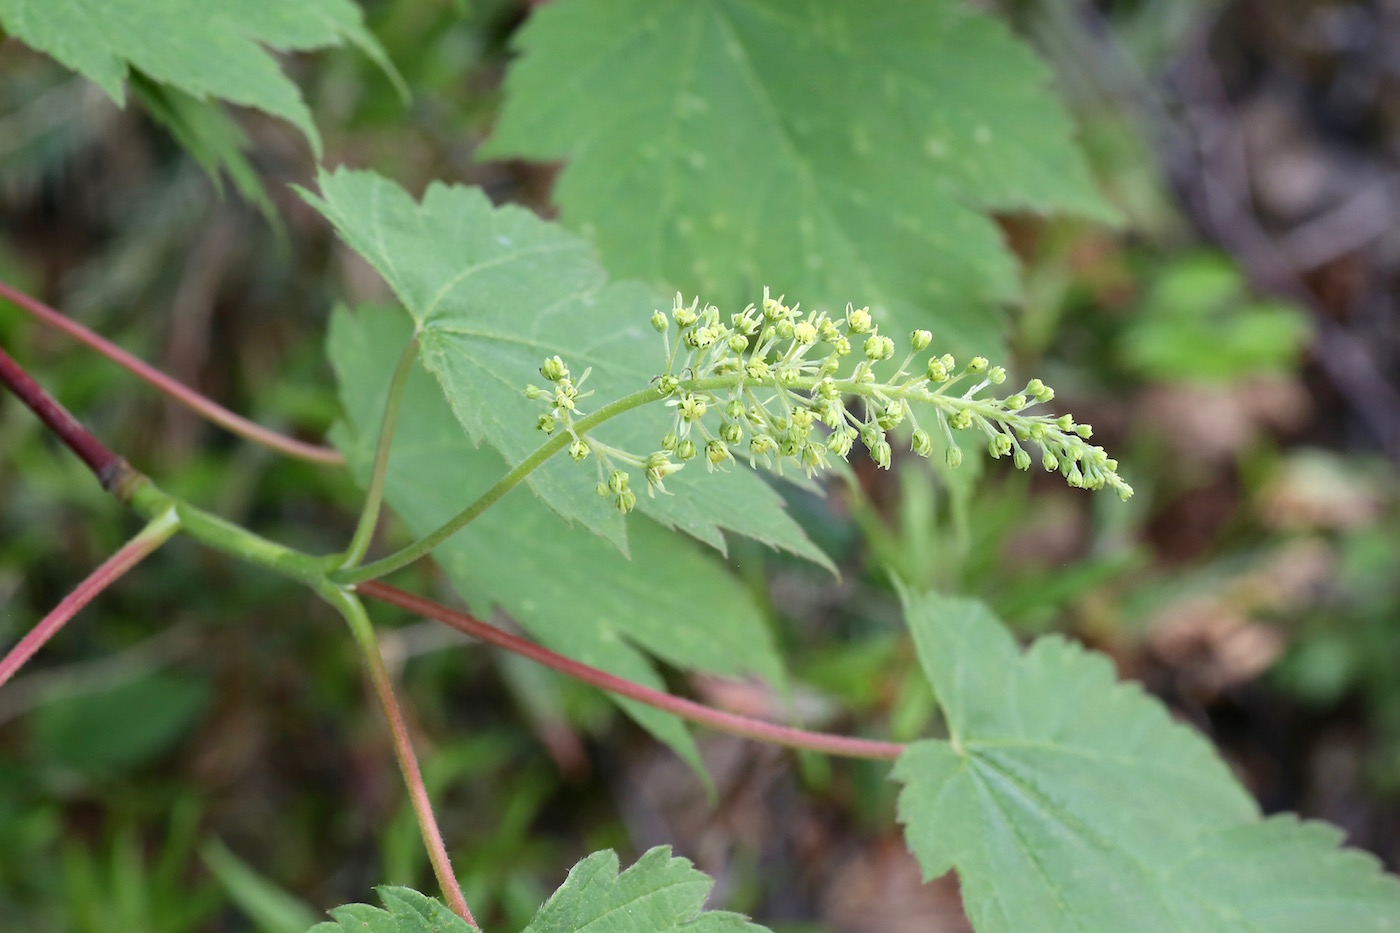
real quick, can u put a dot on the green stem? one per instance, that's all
(357, 619)
(421, 547)
(149, 501)
(490, 497)
(374, 496)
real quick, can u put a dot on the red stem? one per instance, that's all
(201, 405)
(108, 467)
(417, 791)
(104, 576)
(687, 709)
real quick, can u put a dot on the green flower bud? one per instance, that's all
(1049, 461)
(920, 339)
(881, 454)
(603, 490)
(785, 330)
(1021, 459)
(1065, 422)
(578, 450)
(858, 319)
(999, 445)
(670, 441)
(730, 432)
(871, 436)
(1125, 492)
(554, 369)
(961, 419)
(805, 333)
(659, 322)
(760, 445)
(1039, 391)
(828, 389)
(716, 453)
(746, 324)
(626, 501)
(1083, 430)
(937, 372)
(841, 346)
(977, 364)
(738, 343)
(1016, 403)
(828, 330)
(996, 375)
(921, 444)
(758, 369)
(685, 450)
(831, 412)
(891, 417)
(878, 348)
(535, 392)
(668, 384)
(685, 316)
(954, 456)
(699, 339)
(692, 408)
(840, 441)
(617, 481)
(546, 424)
(658, 467)
(802, 418)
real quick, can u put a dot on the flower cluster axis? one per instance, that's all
(775, 385)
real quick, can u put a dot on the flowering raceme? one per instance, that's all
(775, 385)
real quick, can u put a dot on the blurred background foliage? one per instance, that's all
(196, 751)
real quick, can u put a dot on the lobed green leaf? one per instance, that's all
(842, 152)
(217, 49)
(493, 292)
(405, 911)
(657, 894)
(1070, 802)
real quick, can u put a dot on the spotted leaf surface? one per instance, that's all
(836, 151)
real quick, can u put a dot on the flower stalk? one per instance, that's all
(787, 387)
(804, 388)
